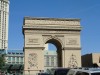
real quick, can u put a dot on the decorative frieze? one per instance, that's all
(51, 22)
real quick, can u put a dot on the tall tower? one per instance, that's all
(4, 16)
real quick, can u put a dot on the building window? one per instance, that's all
(9, 59)
(17, 59)
(52, 61)
(47, 61)
(13, 59)
(21, 60)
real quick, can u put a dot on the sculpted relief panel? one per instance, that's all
(32, 60)
(33, 41)
(72, 41)
(72, 63)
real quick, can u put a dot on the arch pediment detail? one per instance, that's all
(58, 38)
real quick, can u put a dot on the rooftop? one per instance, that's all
(15, 51)
(56, 19)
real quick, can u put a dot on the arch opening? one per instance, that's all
(50, 47)
(58, 49)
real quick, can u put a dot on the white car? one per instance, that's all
(85, 71)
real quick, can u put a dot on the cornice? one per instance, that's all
(34, 48)
(51, 33)
(51, 27)
(55, 19)
(71, 48)
(7, 1)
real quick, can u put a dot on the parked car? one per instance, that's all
(85, 71)
(61, 71)
(43, 74)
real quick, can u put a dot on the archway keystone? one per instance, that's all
(64, 33)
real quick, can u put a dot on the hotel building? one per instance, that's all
(15, 61)
(4, 15)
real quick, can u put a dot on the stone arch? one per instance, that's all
(56, 38)
(64, 33)
(59, 50)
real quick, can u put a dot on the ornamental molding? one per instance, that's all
(55, 19)
(52, 27)
(48, 32)
(34, 48)
(71, 48)
(59, 38)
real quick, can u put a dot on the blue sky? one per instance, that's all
(87, 10)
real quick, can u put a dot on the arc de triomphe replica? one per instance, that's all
(63, 33)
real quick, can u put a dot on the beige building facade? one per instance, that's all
(63, 33)
(91, 60)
